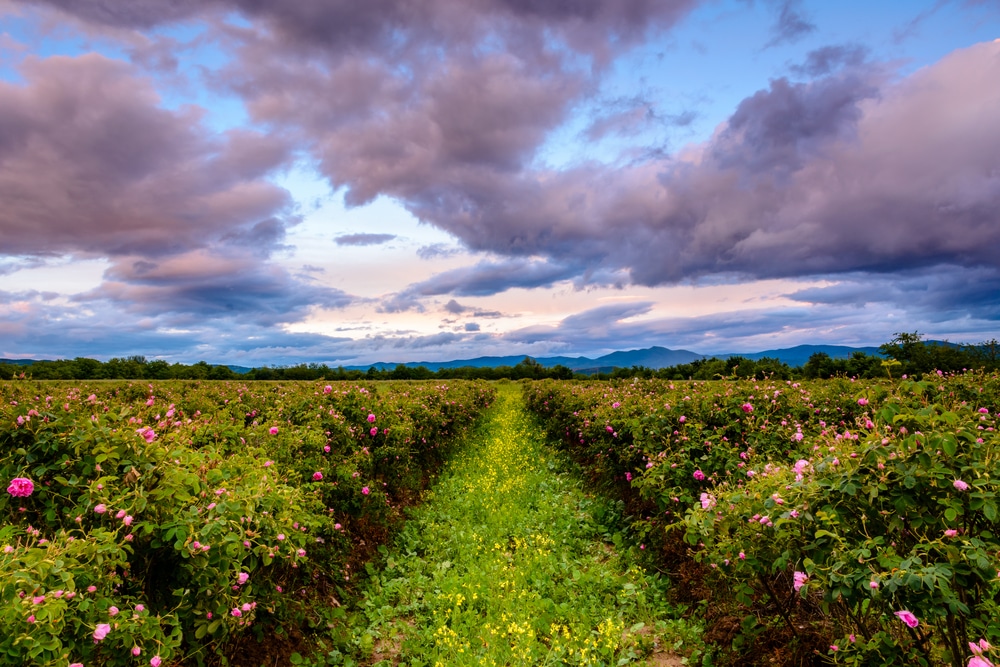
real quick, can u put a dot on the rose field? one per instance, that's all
(468, 522)
(855, 522)
(148, 524)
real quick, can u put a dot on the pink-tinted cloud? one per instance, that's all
(444, 105)
(91, 163)
(851, 172)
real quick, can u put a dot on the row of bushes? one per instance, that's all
(858, 520)
(161, 522)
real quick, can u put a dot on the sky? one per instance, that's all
(275, 182)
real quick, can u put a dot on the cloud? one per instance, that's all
(455, 308)
(791, 24)
(828, 59)
(856, 313)
(596, 324)
(436, 250)
(471, 326)
(93, 164)
(394, 27)
(443, 339)
(947, 293)
(622, 118)
(203, 285)
(856, 174)
(482, 279)
(364, 239)
(850, 172)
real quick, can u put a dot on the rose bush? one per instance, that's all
(163, 520)
(804, 502)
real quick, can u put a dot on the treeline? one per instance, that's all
(906, 354)
(139, 368)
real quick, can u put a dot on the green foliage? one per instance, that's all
(510, 563)
(181, 515)
(845, 483)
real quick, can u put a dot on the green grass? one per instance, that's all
(509, 562)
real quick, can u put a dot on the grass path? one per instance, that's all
(506, 563)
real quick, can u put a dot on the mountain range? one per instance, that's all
(650, 357)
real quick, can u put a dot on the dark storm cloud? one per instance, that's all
(363, 239)
(90, 163)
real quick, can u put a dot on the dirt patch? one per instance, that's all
(390, 648)
(665, 660)
(275, 649)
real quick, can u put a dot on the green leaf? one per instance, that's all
(949, 444)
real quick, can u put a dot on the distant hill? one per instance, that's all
(17, 362)
(651, 357)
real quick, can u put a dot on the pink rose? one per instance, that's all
(101, 631)
(21, 487)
